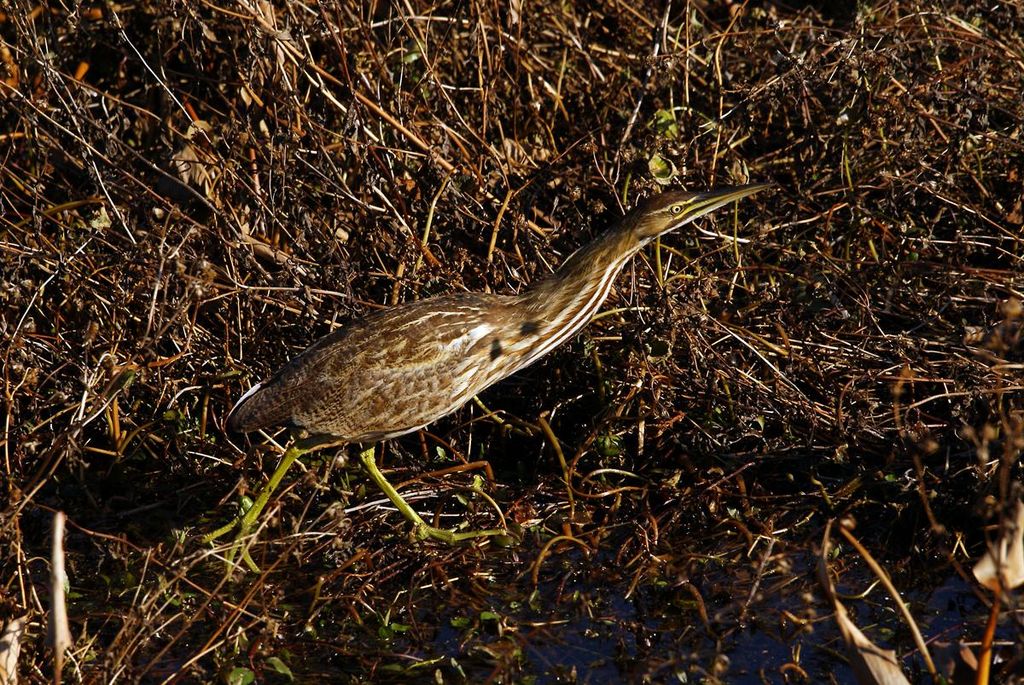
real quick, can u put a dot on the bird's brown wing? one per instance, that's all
(385, 375)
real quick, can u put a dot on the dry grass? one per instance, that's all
(191, 193)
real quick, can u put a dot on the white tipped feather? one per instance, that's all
(248, 393)
(474, 334)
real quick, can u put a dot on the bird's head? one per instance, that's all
(674, 208)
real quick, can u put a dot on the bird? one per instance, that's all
(400, 369)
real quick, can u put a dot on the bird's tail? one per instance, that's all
(256, 409)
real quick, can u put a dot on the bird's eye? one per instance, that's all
(676, 209)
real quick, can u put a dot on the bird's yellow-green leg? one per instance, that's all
(423, 530)
(245, 522)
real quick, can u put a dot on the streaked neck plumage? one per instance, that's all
(554, 309)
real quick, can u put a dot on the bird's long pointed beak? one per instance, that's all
(704, 203)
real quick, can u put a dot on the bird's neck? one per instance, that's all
(564, 302)
(589, 270)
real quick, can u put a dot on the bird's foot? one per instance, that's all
(242, 540)
(423, 531)
(250, 514)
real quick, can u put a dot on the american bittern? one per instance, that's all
(400, 369)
